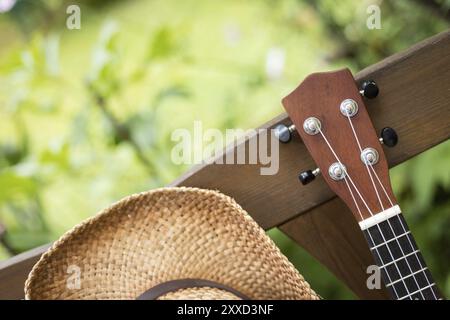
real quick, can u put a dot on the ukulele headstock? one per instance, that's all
(330, 116)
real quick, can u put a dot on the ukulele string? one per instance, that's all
(381, 185)
(389, 223)
(353, 197)
(421, 266)
(368, 209)
(365, 162)
(346, 173)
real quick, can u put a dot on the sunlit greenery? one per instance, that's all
(86, 115)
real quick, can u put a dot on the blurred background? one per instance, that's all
(86, 115)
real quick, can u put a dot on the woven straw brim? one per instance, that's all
(163, 235)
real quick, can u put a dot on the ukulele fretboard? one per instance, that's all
(396, 253)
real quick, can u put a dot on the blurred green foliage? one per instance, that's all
(86, 115)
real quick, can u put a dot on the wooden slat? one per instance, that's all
(413, 100)
(14, 272)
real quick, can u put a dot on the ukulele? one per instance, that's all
(328, 112)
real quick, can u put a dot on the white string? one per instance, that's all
(353, 197)
(379, 199)
(346, 173)
(404, 230)
(417, 258)
(382, 187)
(370, 235)
(382, 207)
(365, 162)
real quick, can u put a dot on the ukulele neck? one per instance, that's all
(330, 116)
(402, 266)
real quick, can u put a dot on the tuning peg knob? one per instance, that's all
(284, 133)
(307, 176)
(389, 137)
(369, 89)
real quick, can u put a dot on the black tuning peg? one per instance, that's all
(307, 176)
(284, 133)
(389, 137)
(369, 89)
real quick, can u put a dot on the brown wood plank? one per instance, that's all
(14, 272)
(413, 99)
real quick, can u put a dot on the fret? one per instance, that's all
(396, 260)
(414, 261)
(393, 249)
(390, 240)
(414, 294)
(386, 230)
(404, 278)
(411, 284)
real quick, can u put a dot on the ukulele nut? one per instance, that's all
(312, 126)
(370, 156)
(349, 107)
(337, 171)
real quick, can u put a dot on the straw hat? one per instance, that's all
(169, 243)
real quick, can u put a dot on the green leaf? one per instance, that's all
(162, 45)
(13, 185)
(58, 154)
